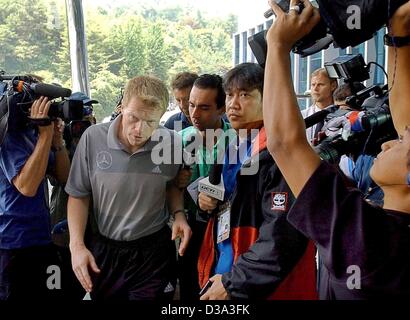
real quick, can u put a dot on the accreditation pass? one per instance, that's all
(224, 223)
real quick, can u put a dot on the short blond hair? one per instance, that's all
(151, 90)
(323, 71)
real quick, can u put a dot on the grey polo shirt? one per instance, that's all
(129, 190)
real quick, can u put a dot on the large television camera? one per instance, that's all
(362, 128)
(17, 94)
(344, 23)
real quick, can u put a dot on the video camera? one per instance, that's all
(335, 26)
(17, 94)
(368, 124)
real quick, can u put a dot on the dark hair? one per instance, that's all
(212, 81)
(342, 92)
(245, 76)
(346, 90)
(183, 80)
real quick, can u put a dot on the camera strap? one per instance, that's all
(44, 122)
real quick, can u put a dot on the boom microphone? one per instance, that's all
(49, 90)
(43, 89)
(319, 116)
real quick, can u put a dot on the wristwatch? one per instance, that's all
(396, 41)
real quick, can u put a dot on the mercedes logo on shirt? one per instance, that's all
(104, 160)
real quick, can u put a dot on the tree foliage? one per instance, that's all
(121, 43)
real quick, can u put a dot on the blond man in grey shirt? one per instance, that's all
(133, 257)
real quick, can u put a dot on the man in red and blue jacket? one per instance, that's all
(264, 257)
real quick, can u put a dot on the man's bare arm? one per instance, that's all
(399, 70)
(34, 170)
(283, 121)
(82, 260)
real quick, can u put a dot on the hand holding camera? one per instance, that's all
(290, 27)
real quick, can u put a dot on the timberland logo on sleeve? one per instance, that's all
(280, 201)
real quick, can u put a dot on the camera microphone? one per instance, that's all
(319, 116)
(49, 90)
(42, 89)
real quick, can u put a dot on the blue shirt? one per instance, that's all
(170, 123)
(24, 221)
(230, 170)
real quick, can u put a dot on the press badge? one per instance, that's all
(224, 223)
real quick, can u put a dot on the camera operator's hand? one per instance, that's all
(400, 22)
(39, 110)
(207, 203)
(290, 27)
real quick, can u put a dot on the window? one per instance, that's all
(359, 49)
(302, 75)
(302, 103)
(237, 42)
(292, 64)
(251, 33)
(315, 61)
(244, 46)
(342, 52)
(380, 56)
(269, 23)
(302, 82)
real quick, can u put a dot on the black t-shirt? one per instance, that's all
(351, 236)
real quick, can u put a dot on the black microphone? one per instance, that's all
(49, 90)
(319, 116)
(215, 173)
(213, 185)
(42, 89)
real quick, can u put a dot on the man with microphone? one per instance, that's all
(259, 254)
(204, 140)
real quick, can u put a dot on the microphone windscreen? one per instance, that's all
(50, 91)
(215, 173)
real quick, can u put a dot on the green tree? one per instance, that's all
(158, 56)
(106, 89)
(28, 42)
(129, 47)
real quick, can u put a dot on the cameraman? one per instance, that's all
(25, 240)
(350, 233)
(72, 289)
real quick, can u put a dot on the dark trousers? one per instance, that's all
(188, 264)
(134, 270)
(24, 274)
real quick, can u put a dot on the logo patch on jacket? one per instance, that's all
(280, 201)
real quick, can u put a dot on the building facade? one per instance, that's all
(372, 50)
